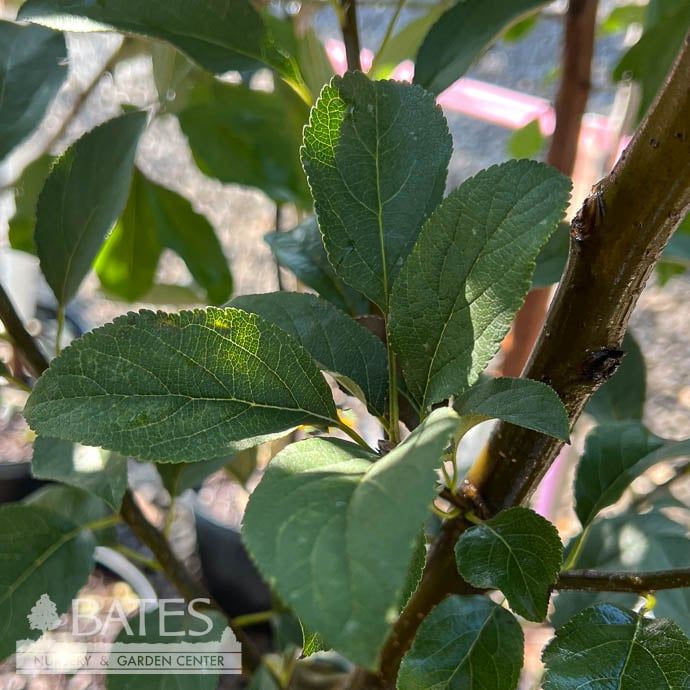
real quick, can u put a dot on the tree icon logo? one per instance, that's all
(44, 615)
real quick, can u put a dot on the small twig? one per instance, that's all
(178, 574)
(21, 338)
(348, 26)
(618, 581)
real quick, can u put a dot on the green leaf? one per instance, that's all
(337, 343)
(301, 250)
(468, 275)
(155, 218)
(414, 570)
(82, 198)
(175, 630)
(610, 647)
(675, 259)
(552, 258)
(33, 65)
(127, 263)
(518, 552)
(461, 35)
(633, 543)
(248, 137)
(91, 469)
(76, 506)
(179, 387)
(620, 18)
(220, 36)
(649, 61)
(523, 402)
(263, 679)
(333, 532)
(179, 477)
(623, 395)
(467, 643)
(526, 142)
(22, 225)
(616, 454)
(405, 43)
(40, 553)
(376, 156)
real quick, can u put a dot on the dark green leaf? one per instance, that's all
(33, 65)
(616, 454)
(468, 274)
(527, 141)
(676, 257)
(610, 647)
(189, 235)
(622, 396)
(179, 477)
(76, 506)
(91, 469)
(552, 258)
(222, 35)
(83, 196)
(376, 156)
(23, 223)
(650, 59)
(263, 679)
(249, 137)
(179, 387)
(461, 35)
(414, 570)
(522, 402)
(518, 552)
(301, 250)
(40, 553)
(175, 630)
(465, 643)
(174, 75)
(631, 543)
(337, 343)
(334, 533)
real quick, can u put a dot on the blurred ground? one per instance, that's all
(242, 216)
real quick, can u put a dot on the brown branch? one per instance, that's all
(177, 573)
(617, 581)
(570, 106)
(616, 239)
(21, 338)
(348, 26)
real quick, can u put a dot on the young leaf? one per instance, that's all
(217, 36)
(607, 646)
(615, 455)
(376, 156)
(334, 533)
(468, 274)
(527, 141)
(33, 65)
(40, 553)
(633, 543)
(179, 387)
(91, 469)
(82, 198)
(461, 35)
(523, 402)
(242, 136)
(301, 250)
(465, 642)
(337, 343)
(623, 395)
(518, 552)
(22, 225)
